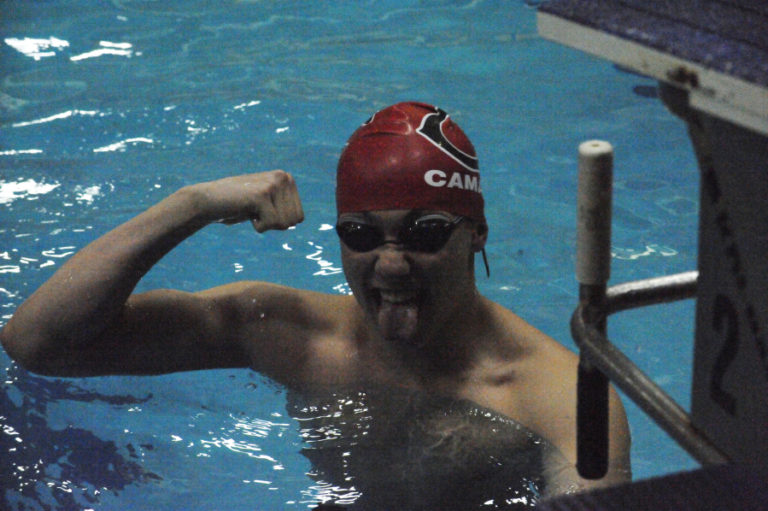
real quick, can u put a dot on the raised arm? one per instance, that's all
(84, 319)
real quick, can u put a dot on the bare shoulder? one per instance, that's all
(290, 334)
(545, 384)
(545, 371)
(255, 301)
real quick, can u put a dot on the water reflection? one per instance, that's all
(24, 189)
(252, 430)
(107, 48)
(37, 48)
(67, 468)
(394, 449)
(326, 267)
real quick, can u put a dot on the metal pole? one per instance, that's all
(593, 265)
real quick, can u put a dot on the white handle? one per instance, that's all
(593, 239)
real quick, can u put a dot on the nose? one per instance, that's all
(392, 261)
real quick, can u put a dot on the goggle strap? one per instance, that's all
(485, 262)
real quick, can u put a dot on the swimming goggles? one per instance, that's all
(428, 234)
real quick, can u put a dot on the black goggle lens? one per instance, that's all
(421, 235)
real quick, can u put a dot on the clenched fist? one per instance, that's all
(270, 200)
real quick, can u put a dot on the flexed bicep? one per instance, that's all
(85, 320)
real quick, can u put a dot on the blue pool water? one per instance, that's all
(106, 107)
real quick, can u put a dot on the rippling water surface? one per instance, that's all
(106, 107)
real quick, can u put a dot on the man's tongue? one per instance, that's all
(398, 318)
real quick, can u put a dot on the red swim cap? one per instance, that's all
(409, 156)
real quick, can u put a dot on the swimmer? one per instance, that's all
(410, 222)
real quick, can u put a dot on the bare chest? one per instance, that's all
(435, 451)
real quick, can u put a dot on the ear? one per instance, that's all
(479, 236)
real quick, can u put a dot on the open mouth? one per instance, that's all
(396, 296)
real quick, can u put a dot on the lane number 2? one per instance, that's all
(725, 323)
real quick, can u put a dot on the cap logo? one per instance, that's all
(438, 179)
(431, 128)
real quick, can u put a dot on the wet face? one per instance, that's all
(411, 295)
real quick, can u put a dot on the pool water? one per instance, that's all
(107, 107)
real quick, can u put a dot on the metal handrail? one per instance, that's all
(612, 363)
(600, 360)
(641, 293)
